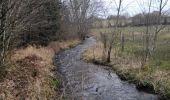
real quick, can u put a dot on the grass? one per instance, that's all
(127, 64)
(31, 75)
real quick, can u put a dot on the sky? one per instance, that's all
(131, 7)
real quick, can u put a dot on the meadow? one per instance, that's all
(134, 45)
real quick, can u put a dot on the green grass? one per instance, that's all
(128, 29)
(125, 29)
(161, 57)
(56, 83)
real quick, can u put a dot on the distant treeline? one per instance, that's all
(141, 19)
(137, 20)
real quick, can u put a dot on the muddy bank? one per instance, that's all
(92, 82)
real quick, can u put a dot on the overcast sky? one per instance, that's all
(131, 7)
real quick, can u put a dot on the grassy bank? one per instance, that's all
(155, 77)
(150, 79)
(31, 74)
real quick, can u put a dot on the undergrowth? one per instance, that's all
(30, 75)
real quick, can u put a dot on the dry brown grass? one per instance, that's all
(96, 34)
(91, 53)
(30, 76)
(43, 52)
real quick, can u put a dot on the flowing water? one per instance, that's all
(86, 81)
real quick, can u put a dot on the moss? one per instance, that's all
(56, 82)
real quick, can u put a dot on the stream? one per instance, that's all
(86, 81)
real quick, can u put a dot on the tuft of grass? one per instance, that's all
(56, 83)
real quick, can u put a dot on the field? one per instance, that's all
(134, 45)
(127, 64)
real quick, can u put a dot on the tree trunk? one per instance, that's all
(109, 54)
(122, 41)
(110, 51)
(3, 32)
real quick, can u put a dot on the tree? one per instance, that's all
(113, 33)
(81, 13)
(147, 35)
(39, 21)
(25, 22)
(153, 21)
(4, 37)
(5, 34)
(159, 25)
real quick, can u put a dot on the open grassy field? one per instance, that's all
(128, 63)
(134, 45)
(128, 29)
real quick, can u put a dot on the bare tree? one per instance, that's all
(23, 20)
(122, 41)
(113, 33)
(147, 35)
(159, 25)
(154, 25)
(6, 7)
(81, 12)
(3, 33)
(104, 42)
